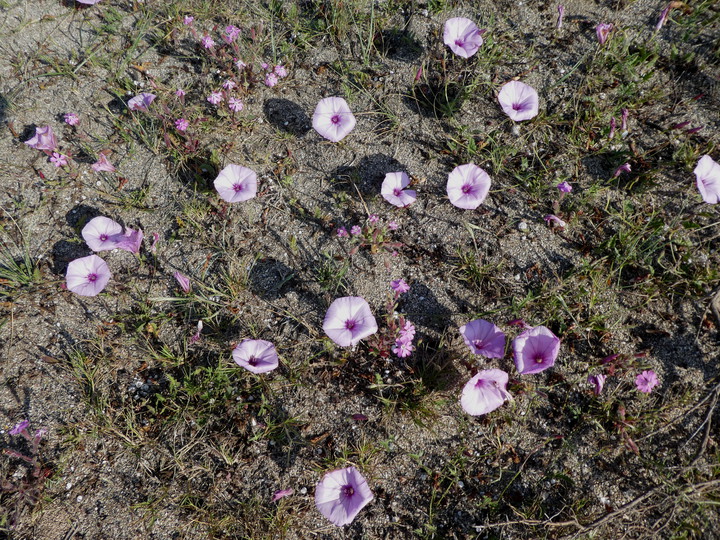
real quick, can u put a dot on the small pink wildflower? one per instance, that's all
(598, 381)
(625, 167)
(183, 281)
(280, 71)
(561, 14)
(180, 92)
(59, 160)
(188, 19)
(231, 33)
(196, 336)
(102, 164)
(564, 187)
(71, 119)
(355, 230)
(229, 84)
(182, 124)
(663, 17)
(342, 232)
(240, 65)
(613, 125)
(555, 221)
(215, 98)
(207, 42)
(235, 105)
(603, 31)
(393, 226)
(646, 381)
(279, 494)
(271, 80)
(399, 286)
(373, 218)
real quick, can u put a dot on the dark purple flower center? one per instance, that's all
(478, 344)
(397, 192)
(252, 361)
(517, 106)
(103, 237)
(335, 119)
(467, 188)
(238, 187)
(350, 324)
(539, 359)
(459, 43)
(348, 490)
(92, 277)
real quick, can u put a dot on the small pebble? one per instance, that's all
(522, 226)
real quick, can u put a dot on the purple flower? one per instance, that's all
(348, 320)
(613, 125)
(130, 241)
(393, 189)
(183, 281)
(256, 355)
(518, 100)
(279, 494)
(180, 92)
(102, 164)
(155, 237)
(271, 79)
(207, 42)
(564, 187)
(561, 14)
(707, 173)
(462, 36)
(231, 33)
(20, 427)
(399, 286)
(484, 338)
(341, 494)
(196, 336)
(342, 232)
(215, 97)
(240, 65)
(89, 2)
(603, 31)
(141, 102)
(188, 19)
(355, 230)
(598, 381)
(393, 226)
(646, 381)
(71, 119)
(87, 276)
(235, 105)
(280, 71)
(44, 139)
(535, 350)
(467, 186)
(236, 183)
(555, 221)
(182, 124)
(624, 117)
(333, 119)
(663, 17)
(624, 167)
(229, 84)
(59, 160)
(403, 349)
(101, 233)
(373, 218)
(485, 392)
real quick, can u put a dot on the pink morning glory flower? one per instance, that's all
(279, 494)
(348, 320)
(663, 17)
(342, 232)
(399, 286)
(598, 381)
(555, 221)
(333, 119)
(207, 42)
(236, 183)
(355, 230)
(393, 189)
(256, 355)
(646, 381)
(183, 281)
(484, 338)
(102, 164)
(535, 350)
(462, 36)
(467, 186)
(271, 79)
(485, 392)
(341, 494)
(235, 105)
(141, 102)
(87, 276)
(625, 167)
(182, 124)
(561, 14)
(59, 160)
(71, 119)
(707, 174)
(603, 31)
(280, 71)
(101, 234)
(215, 97)
(44, 139)
(564, 187)
(518, 100)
